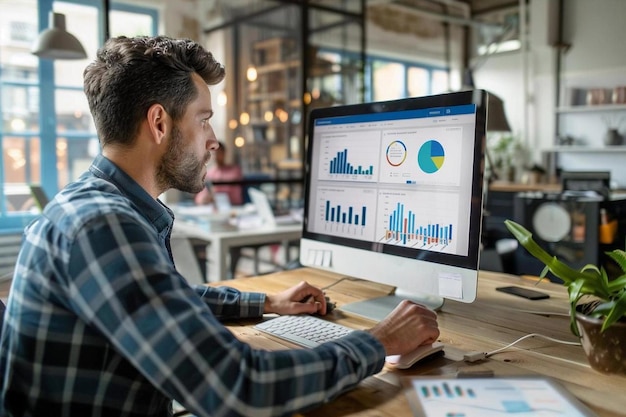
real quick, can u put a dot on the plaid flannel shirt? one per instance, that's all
(100, 323)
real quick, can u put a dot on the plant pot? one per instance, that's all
(606, 351)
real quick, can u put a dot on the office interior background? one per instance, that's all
(558, 66)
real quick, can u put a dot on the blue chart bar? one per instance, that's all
(445, 390)
(338, 214)
(340, 165)
(403, 227)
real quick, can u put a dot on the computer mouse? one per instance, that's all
(330, 305)
(409, 359)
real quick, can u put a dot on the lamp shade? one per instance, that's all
(496, 119)
(56, 43)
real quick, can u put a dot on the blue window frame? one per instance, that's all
(46, 131)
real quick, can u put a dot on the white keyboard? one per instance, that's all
(303, 330)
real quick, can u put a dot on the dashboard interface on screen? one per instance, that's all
(396, 181)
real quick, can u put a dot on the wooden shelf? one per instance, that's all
(516, 187)
(270, 96)
(587, 149)
(592, 109)
(277, 66)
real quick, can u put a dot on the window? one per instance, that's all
(418, 81)
(22, 31)
(386, 79)
(396, 79)
(47, 134)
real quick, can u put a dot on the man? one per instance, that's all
(100, 323)
(221, 171)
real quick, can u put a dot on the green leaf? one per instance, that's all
(603, 309)
(617, 284)
(591, 268)
(618, 311)
(574, 290)
(619, 256)
(590, 280)
(558, 268)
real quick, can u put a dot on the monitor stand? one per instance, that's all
(378, 308)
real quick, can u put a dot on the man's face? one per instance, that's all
(183, 165)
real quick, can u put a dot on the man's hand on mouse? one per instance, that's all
(299, 299)
(408, 326)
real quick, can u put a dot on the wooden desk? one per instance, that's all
(493, 321)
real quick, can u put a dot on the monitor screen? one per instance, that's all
(393, 194)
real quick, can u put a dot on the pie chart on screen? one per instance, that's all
(431, 156)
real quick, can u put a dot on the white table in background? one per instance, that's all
(219, 242)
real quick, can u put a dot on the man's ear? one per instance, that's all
(159, 122)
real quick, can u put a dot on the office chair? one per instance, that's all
(186, 261)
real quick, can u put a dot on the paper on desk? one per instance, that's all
(491, 397)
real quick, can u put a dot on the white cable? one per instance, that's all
(565, 342)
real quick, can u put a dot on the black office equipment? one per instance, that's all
(567, 226)
(586, 183)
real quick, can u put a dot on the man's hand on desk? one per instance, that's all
(299, 299)
(408, 326)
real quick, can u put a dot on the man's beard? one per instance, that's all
(179, 168)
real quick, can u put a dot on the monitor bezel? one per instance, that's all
(476, 97)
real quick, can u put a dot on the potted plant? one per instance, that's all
(509, 156)
(597, 303)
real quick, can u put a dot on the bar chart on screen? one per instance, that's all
(419, 220)
(343, 161)
(348, 212)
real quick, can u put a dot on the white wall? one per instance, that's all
(597, 57)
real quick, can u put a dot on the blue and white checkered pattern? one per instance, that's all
(99, 323)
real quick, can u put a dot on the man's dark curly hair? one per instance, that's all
(131, 74)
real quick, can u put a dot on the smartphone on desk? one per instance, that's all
(524, 292)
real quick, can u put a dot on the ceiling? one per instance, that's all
(422, 18)
(476, 7)
(463, 12)
(484, 6)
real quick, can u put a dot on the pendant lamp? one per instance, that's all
(57, 43)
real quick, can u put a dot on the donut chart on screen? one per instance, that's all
(430, 157)
(396, 153)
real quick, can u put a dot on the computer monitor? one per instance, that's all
(393, 194)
